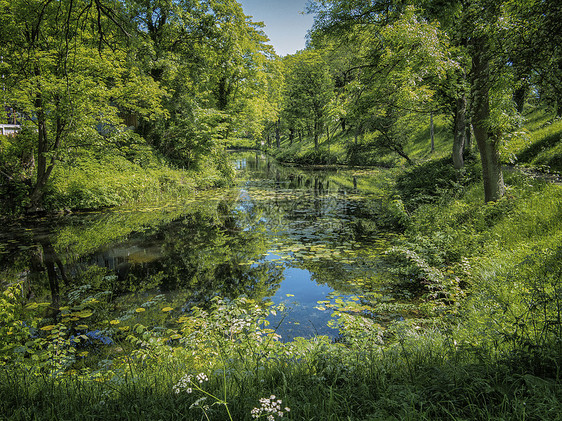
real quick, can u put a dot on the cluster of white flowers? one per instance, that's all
(202, 377)
(183, 383)
(238, 325)
(186, 382)
(269, 407)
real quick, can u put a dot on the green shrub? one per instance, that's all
(16, 167)
(435, 181)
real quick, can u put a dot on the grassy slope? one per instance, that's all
(112, 180)
(539, 144)
(336, 149)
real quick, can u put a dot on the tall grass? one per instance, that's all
(220, 363)
(538, 144)
(93, 183)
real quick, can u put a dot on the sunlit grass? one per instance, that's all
(433, 373)
(420, 146)
(539, 144)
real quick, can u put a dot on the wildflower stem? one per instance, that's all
(224, 386)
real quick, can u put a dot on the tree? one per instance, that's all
(308, 90)
(536, 52)
(66, 69)
(403, 58)
(215, 65)
(483, 26)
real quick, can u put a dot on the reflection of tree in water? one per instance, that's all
(209, 250)
(205, 254)
(44, 268)
(311, 208)
(33, 262)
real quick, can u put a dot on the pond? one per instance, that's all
(310, 240)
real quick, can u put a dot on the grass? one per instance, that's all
(417, 375)
(98, 177)
(539, 144)
(342, 148)
(113, 180)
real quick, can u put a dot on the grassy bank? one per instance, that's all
(97, 183)
(96, 178)
(344, 148)
(536, 145)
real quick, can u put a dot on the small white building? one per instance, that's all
(9, 129)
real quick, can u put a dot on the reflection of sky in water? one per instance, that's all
(314, 216)
(300, 294)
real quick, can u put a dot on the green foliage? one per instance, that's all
(225, 363)
(111, 181)
(13, 329)
(186, 76)
(435, 181)
(64, 80)
(16, 159)
(308, 91)
(537, 321)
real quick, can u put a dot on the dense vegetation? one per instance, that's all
(393, 83)
(376, 72)
(158, 84)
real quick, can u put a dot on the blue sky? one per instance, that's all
(285, 25)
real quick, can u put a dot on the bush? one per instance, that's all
(16, 166)
(435, 181)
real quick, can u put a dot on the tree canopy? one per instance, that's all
(189, 74)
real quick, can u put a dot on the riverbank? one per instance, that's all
(536, 145)
(93, 181)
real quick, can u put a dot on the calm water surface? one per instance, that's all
(307, 239)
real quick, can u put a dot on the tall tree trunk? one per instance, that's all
(492, 175)
(222, 94)
(468, 137)
(316, 134)
(44, 168)
(459, 139)
(432, 132)
(357, 130)
(520, 95)
(42, 149)
(278, 134)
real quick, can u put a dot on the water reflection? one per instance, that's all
(281, 234)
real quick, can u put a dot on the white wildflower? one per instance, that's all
(202, 377)
(183, 384)
(269, 407)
